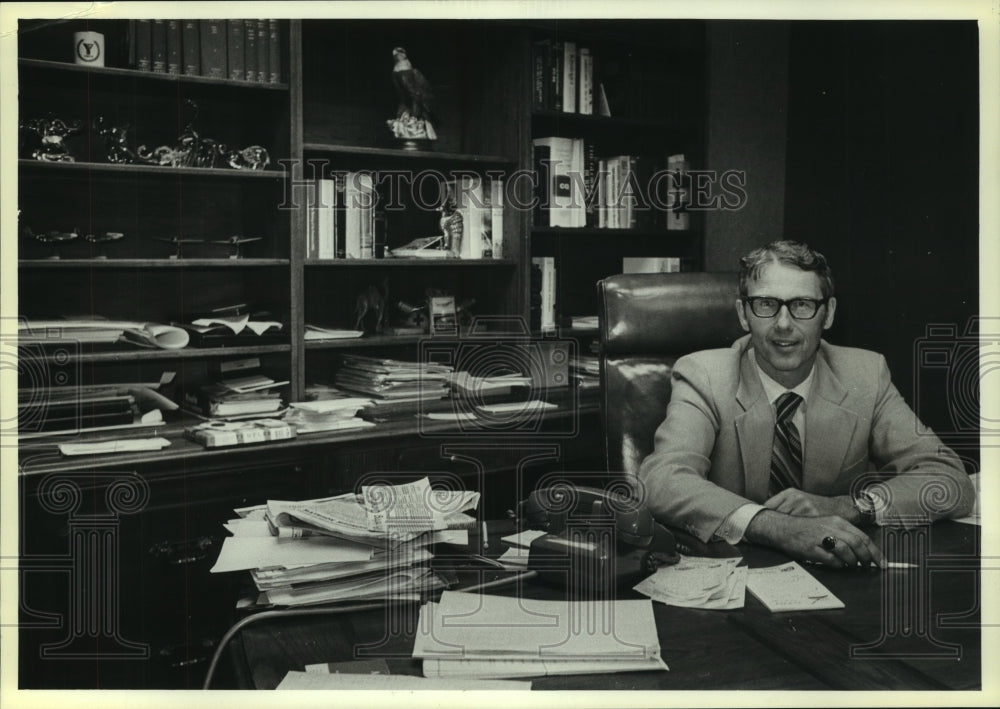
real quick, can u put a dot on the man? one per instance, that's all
(771, 440)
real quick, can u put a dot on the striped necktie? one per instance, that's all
(786, 453)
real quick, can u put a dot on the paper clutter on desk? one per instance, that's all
(698, 582)
(373, 546)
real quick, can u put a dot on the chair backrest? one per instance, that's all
(647, 321)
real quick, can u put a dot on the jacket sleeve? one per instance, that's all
(674, 477)
(922, 479)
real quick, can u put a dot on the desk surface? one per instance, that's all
(914, 629)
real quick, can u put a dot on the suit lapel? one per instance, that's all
(829, 428)
(754, 430)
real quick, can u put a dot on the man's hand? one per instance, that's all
(802, 538)
(792, 501)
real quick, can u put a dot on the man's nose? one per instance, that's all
(783, 319)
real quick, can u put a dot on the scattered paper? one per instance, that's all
(537, 667)
(697, 582)
(317, 680)
(517, 406)
(474, 626)
(790, 587)
(125, 445)
(523, 539)
(250, 552)
(406, 507)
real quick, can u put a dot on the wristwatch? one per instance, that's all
(865, 505)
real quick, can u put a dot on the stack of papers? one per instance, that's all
(697, 582)
(471, 635)
(327, 414)
(789, 587)
(392, 379)
(350, 547)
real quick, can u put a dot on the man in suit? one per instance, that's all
(773, 439)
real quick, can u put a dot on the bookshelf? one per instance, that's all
(647, 101)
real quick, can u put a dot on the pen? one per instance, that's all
(485, 543)
(900, 565)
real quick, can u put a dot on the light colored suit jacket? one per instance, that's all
(713, 451)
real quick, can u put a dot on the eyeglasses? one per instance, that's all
(798, 308)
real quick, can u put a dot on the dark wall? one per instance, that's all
(747, 100)
(882, 177)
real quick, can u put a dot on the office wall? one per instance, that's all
(747, 111)
(882, 176)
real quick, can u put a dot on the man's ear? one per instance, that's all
(831, 307)
(742, 315)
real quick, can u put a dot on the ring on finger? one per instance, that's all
(829, 543)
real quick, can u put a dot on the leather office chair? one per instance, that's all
(647, 321)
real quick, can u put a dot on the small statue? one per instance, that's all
(52, 134)
(115, 142)
(235, 243)
(100, 240)
(252, 157)
(451, 227)
(54, 239)
(416, 103)
(372, 301)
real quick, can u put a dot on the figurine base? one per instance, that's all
(414, 143)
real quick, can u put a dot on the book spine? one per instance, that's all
(217, 438)
(590, 185)
(586, 81)
(174, 47)
(262, 52)
(274, 69)
(340, 219)
(555, 75)
(578, 187)
(472, 217)
(159, 46)
(213, 48)
(234, 50)
(496, 202)
(366, 218)
(132, 25)
(144, 45)
(678, 218)
(546, 291)
(191, 48)
(539, 76)
(543, 206)
(569, 77)
(602, 194)
(250, 50)
(352, 209)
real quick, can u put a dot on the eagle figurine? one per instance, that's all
(416, 99)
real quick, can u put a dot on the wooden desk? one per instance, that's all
(914, 629)
(161, 528)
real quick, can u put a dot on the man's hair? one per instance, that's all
(793, 253)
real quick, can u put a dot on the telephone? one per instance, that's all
(596, 540)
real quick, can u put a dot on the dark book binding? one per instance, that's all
(190, 48)
(213, 48)
(235, 51)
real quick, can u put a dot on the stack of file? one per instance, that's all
(472, 635)
(335, 414)
(393, 380)
(698, 582)
(351, 547)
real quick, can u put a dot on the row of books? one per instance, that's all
(239, 50)
(563, 79)
(577, 188)
(342, 220)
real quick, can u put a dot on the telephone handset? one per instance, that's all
(595, 539)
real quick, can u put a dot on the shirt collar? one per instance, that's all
(773, 389)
